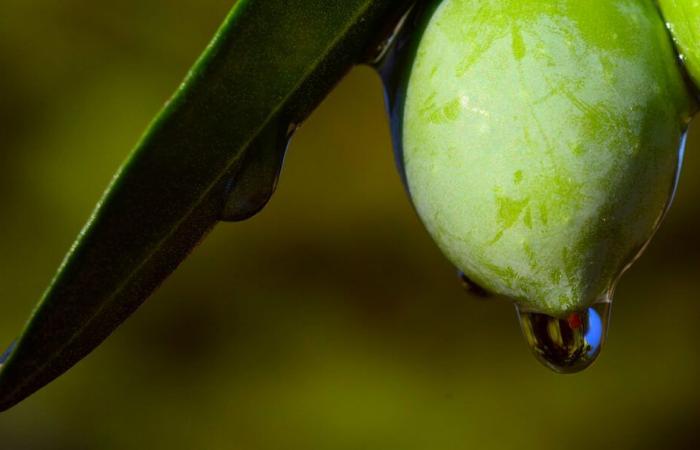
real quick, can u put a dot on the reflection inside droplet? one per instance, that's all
(569, 344)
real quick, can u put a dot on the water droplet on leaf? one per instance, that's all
(566, 344)
(254, 182)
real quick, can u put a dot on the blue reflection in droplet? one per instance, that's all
(567, 345)
(594, 334)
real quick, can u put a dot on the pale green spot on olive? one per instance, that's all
(451, 110)
(531, 255)
(518, 177)
(544, 214)
(527, 218)
(509, 210)
(440, 114)
(555, 276)
(518, 44)
(579, 150)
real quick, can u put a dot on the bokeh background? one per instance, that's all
(328, 321)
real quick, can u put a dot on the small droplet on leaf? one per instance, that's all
(254, 182)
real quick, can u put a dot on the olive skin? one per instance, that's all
(683, 21)
(540, 140)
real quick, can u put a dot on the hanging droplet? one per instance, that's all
(569, 344)
(252, 184)
(472, 287)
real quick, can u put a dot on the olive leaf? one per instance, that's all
(212, 154)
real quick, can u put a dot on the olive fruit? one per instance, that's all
(683, 20)
(540, 140)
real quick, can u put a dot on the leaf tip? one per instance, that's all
(6, 401)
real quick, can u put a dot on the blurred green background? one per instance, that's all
(328, 321)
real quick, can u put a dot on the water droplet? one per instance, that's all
(679, 168)
(251, 186)
(667, 207)
(568, 344)
(471, 287)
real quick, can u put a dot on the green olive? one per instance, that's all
(540, 140)
(683, 20)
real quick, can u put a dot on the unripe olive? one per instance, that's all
(683, 20)
(540, 140)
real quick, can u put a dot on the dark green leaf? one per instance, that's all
(212, 153)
